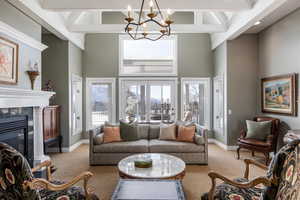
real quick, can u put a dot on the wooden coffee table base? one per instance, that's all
(176, 177)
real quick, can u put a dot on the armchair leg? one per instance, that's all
(238, 152)
(267, 155)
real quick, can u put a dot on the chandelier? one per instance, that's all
(137, 30)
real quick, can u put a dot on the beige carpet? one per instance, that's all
(195, 182)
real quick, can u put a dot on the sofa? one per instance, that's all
(111, 153)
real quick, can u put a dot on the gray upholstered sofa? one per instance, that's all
(112, 153)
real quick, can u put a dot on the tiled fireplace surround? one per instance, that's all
(20, 101)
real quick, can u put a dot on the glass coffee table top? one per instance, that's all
(164, 166)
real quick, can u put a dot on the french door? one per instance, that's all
(156, 99)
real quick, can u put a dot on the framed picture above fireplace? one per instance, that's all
(8, 61)
(279, 94)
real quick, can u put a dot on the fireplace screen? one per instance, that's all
(14, 132)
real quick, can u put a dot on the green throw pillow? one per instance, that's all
(258, 130)
(129, 131)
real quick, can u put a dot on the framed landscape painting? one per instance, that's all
(279, 95)
(8, 61)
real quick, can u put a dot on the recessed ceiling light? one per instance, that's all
(257, 23)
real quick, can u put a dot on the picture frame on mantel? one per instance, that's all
(279, 95)
(9, 53)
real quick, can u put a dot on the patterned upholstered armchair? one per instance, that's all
(282, 181)
(17, 181)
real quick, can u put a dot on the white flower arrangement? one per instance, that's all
(131, 102)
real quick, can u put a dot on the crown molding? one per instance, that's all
(22, 37)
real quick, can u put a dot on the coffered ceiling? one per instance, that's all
(223, 19)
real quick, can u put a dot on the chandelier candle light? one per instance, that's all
(134, 30)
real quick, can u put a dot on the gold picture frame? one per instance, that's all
(9, 54)
(279, 95)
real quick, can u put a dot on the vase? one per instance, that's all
(131, 118)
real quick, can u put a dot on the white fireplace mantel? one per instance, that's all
(16, 98)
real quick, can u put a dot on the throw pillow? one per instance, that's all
(167, 132)
(258, 130)
(186, 133)
(199, 140)
(98, 139)
(111, 134)
(183, 123)
(129, 131)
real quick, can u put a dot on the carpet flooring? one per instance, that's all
(195, 183)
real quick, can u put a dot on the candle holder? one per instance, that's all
(32, 76)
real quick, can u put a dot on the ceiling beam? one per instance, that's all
(74, 17)
(241, 22)
(119, 28)
(50, 20)
(220, 5)
(220, 17)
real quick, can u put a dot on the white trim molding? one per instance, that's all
(20, 36)
(90, 81)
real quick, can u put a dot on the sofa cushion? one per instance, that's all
(167, 132)
(162, 146)
(98, 139)
(139, 146)
(129, 131)
(143, 131)
(154, 131)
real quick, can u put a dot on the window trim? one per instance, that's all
(90, 81)
(207, 101)
(146, 79)
(175, 69)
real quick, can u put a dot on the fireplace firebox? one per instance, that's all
(14, 132)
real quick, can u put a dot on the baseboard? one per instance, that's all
(223, 146)
(68, 149)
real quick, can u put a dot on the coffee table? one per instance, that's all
(164, 166)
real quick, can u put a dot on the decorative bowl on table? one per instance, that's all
(143, 163)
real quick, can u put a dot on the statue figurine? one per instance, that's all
(48, 86)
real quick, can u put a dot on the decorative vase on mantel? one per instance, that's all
(32, 76)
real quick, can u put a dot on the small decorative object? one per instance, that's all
(32, 76)
(130, 108)
(48, 86)
(9, 53)
(279, 95)
(143, 163)
(137, 29)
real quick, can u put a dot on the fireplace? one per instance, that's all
(14, 131)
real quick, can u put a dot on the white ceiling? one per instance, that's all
(287, 8)
(222, 19)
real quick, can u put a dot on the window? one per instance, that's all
(195, 100)
(148, 58)
(100, 93)
(156, 99)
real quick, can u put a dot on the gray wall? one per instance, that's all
(55, 68)
(241, 79)
(16, 19)
(237, 62)
(60, 61)
(279, 53)
(101, 57)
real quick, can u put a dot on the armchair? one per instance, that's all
(264, 146)
(282, 180)
(17, 181)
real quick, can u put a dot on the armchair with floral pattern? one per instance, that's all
(18, 183)
(282, 181)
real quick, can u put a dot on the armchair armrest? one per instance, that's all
(249, 184)
(243, 134)
(270, 139)
(249, 162)
(46, 164)
(42, 183)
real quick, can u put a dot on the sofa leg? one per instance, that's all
(238, 152)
